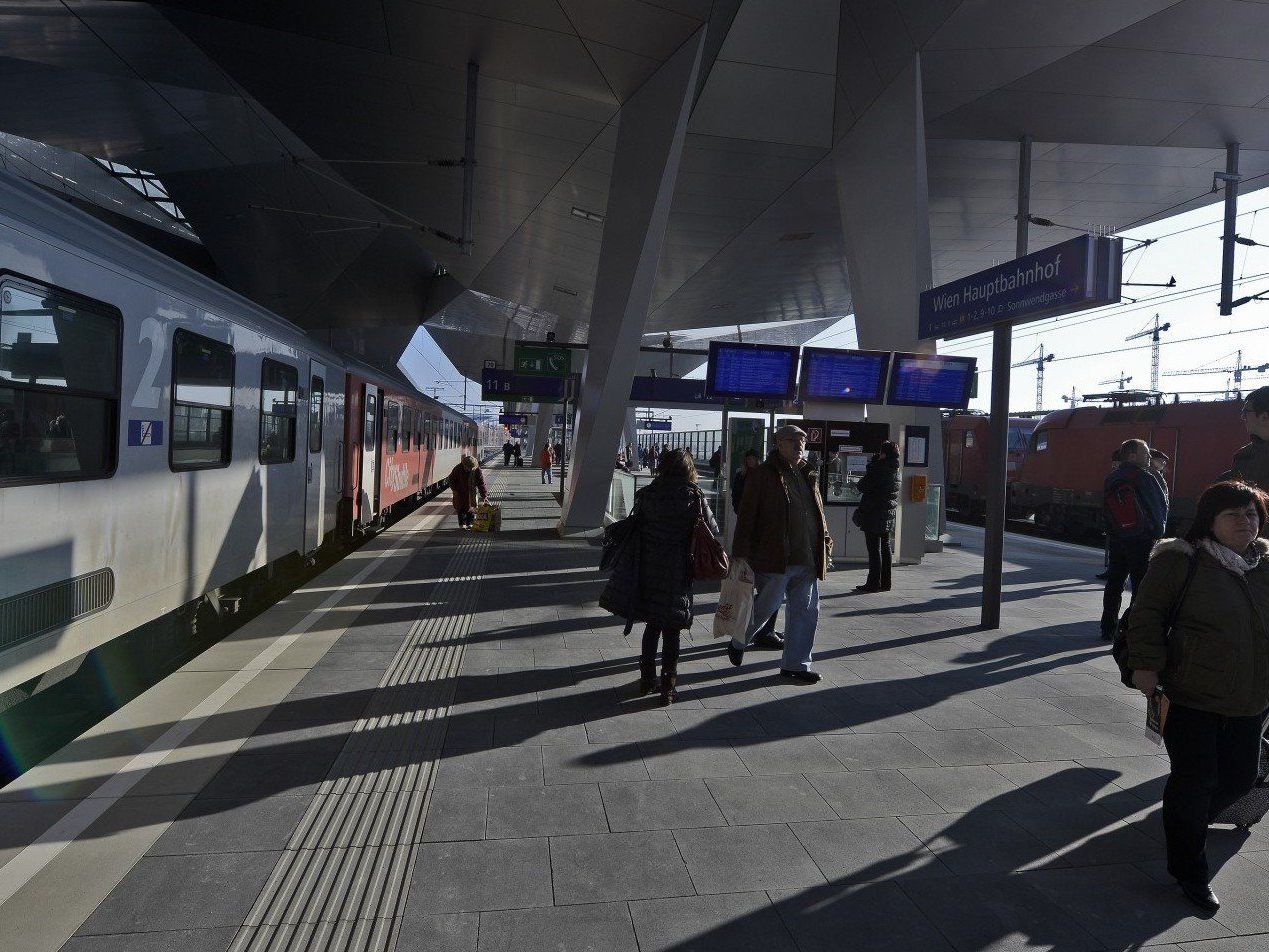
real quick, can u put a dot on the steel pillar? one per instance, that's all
(1231, 229)
(998, 434)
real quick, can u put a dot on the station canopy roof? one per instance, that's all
(294, 136)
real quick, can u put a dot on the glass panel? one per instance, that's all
(279, 386)
(202, 371)
(407, 428)
(316, 410)
(200, 436)
(47, 341)
(392, 420)
(55, 435)
(372, 413)
(933, 506)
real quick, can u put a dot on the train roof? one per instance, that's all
(1151, 414)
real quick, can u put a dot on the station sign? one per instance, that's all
(670, 390)
(513, 419)
(543, 360)
(498, 385)
(656, 425)
(1075, 275)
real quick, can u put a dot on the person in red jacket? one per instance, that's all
(468, 484)
(546, 459)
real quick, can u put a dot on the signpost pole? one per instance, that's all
(1231, 229)
(998, 438)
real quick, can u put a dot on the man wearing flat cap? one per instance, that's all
(781, 533)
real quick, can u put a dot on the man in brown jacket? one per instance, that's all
(781, 533)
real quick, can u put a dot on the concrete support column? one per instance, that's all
(630, 432)
(652, 127)
(883, 195)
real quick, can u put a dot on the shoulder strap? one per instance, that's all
(1175, 608)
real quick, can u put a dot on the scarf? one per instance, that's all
(1237, 563)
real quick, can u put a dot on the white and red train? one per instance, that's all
(165, 442)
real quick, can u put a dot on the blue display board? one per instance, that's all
(931, 380)
(844, 376)
(1072, 276)
(497, 385)
(513, 419)
(760, 371)
(652, 390)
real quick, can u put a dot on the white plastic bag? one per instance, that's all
(735, 602)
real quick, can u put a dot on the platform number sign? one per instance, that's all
(145, 432)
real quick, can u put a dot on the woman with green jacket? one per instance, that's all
(1214, 669)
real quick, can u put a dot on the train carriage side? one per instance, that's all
(965, 439)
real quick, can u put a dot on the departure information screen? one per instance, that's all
(931, 380)
(846, 376)
(762, 371)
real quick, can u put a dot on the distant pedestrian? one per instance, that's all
(1217, 683)
(716, 462)
(781, 533)
(546, 459)
(879, 495)
(1159, 470)
(1105, 572)
(507, 449)
(517, 454)
(468, 484)
(766, 636)
(1251, 462)
(668, 508)
(1136, 512)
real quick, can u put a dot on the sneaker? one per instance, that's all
(806, 677)
(735, 655)
(769, 641)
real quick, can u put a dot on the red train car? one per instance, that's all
(965, 458)
(1061, 476)
(399, 446)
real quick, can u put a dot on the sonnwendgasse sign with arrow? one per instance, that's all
(1073, 276)
(543, 361)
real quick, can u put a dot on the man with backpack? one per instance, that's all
(1136, 512)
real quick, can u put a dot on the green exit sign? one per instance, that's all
(543, 361)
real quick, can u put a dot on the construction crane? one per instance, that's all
(1123, 380)
(1153, 333)
(1037, 360)
(1236, 370)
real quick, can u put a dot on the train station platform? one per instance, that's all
(434, 745)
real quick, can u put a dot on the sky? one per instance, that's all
(1089, 346)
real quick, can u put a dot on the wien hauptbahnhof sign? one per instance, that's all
(1076, 275)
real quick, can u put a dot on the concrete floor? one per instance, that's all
(451, 759)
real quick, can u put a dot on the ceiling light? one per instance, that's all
(584, 215)
(563, 290)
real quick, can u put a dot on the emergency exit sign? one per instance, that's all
(543, 361)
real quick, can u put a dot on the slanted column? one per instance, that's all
(883, 196)
(652, 125)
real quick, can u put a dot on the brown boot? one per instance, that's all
(668, 694)
(647, 679)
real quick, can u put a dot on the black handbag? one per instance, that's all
(618, 536)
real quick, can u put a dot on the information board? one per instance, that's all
(761, 371)
(844, 376)
(931, 380)
(653, 390)
(498, 385)
(513, 419)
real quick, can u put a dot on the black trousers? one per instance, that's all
(669, 653)
(1128, 559)
(878, 559)
(1214, 762)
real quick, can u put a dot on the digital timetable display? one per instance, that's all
(760, 371)
(844, 376)
(931, 380)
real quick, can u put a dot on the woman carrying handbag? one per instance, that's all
(673, 551)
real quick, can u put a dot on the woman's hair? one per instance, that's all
(1258, 400)
(890, 450)
(1218, 497)
(470, 461)
(677, 463)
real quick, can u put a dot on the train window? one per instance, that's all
(368, 429)
(969, 439)
(279, 386)
(202, 402)
(407, 425)
(1017, 439)
(392, 414)
(59, 385)
(316, 413)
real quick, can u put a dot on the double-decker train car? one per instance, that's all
(165, 443)
(965, 458)
(1059, 482)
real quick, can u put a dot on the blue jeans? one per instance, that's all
(801, 588)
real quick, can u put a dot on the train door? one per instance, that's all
(315, 489)
(369, 501)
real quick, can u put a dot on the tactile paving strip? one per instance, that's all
(341, 882)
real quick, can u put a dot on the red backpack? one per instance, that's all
(1123, 512)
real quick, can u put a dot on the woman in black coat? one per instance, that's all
(668, 508)
(875, 515)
